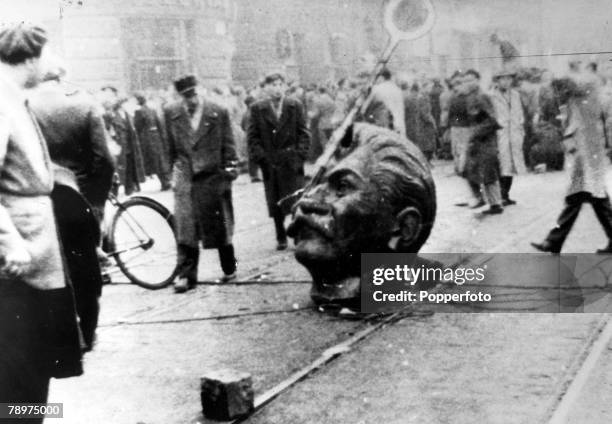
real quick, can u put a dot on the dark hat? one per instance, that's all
(272, 77)
(186, 85)
(20, 42)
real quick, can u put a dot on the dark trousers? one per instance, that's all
(253, 169)
(131, 176)
(188, 258)
(476, 191)
(165, 179)
(279, 226)
(573, 203)
(505, 183)
(80, 234)
(24, 374)
(38, 340)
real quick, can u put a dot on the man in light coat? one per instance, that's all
(510, 138)
(39, 337)
(585, 145)
(203, 153)
(386, 106)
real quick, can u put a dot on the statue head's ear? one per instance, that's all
(409, 223)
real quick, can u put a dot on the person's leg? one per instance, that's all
(24, 374)
(228, 259)
(279, 225)
(253, 171)
(492, 194)
(505, 183)
(566, 220)
(603, 211)
(188, 258)
(164, 180)
(477, 194)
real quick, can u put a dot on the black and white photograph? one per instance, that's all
(305, 212)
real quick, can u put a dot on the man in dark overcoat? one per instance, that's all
(73, 128)
(278, 141)
(155, 152)
(419, 122)
(203, 153)
(482, 164)
(119, 124)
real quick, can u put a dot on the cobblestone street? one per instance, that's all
(153, 346)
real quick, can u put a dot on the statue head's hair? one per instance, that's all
(400, 172)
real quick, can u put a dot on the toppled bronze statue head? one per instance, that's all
(377, 195)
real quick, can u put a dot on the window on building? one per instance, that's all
(154, 61)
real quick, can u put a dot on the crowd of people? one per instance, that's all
(60, 145)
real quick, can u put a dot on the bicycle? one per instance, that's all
(142, 242)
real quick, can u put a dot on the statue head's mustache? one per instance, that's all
(314, 215)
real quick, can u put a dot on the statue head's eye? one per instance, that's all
(343, 186)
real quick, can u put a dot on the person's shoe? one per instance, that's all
(605, 250)
(282, 245)
(183, 285)
(493, 210)
(546, 246)
(227, 278)
(479, 204)
(508, 202)
(462, 204)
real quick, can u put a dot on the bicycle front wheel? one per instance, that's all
(143, 242)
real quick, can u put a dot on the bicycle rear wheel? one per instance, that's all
(143, 242)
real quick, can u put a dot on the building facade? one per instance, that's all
(310, 40)
(143, 44)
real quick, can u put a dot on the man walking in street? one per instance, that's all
(482, 164)
(203, 153)
(585, 144)
(510, 138)
(460, 134)
(278, 141)
(39, 337)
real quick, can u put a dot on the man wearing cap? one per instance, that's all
(203, 154)
(38, 328)
(278, 141)
(510, 138)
